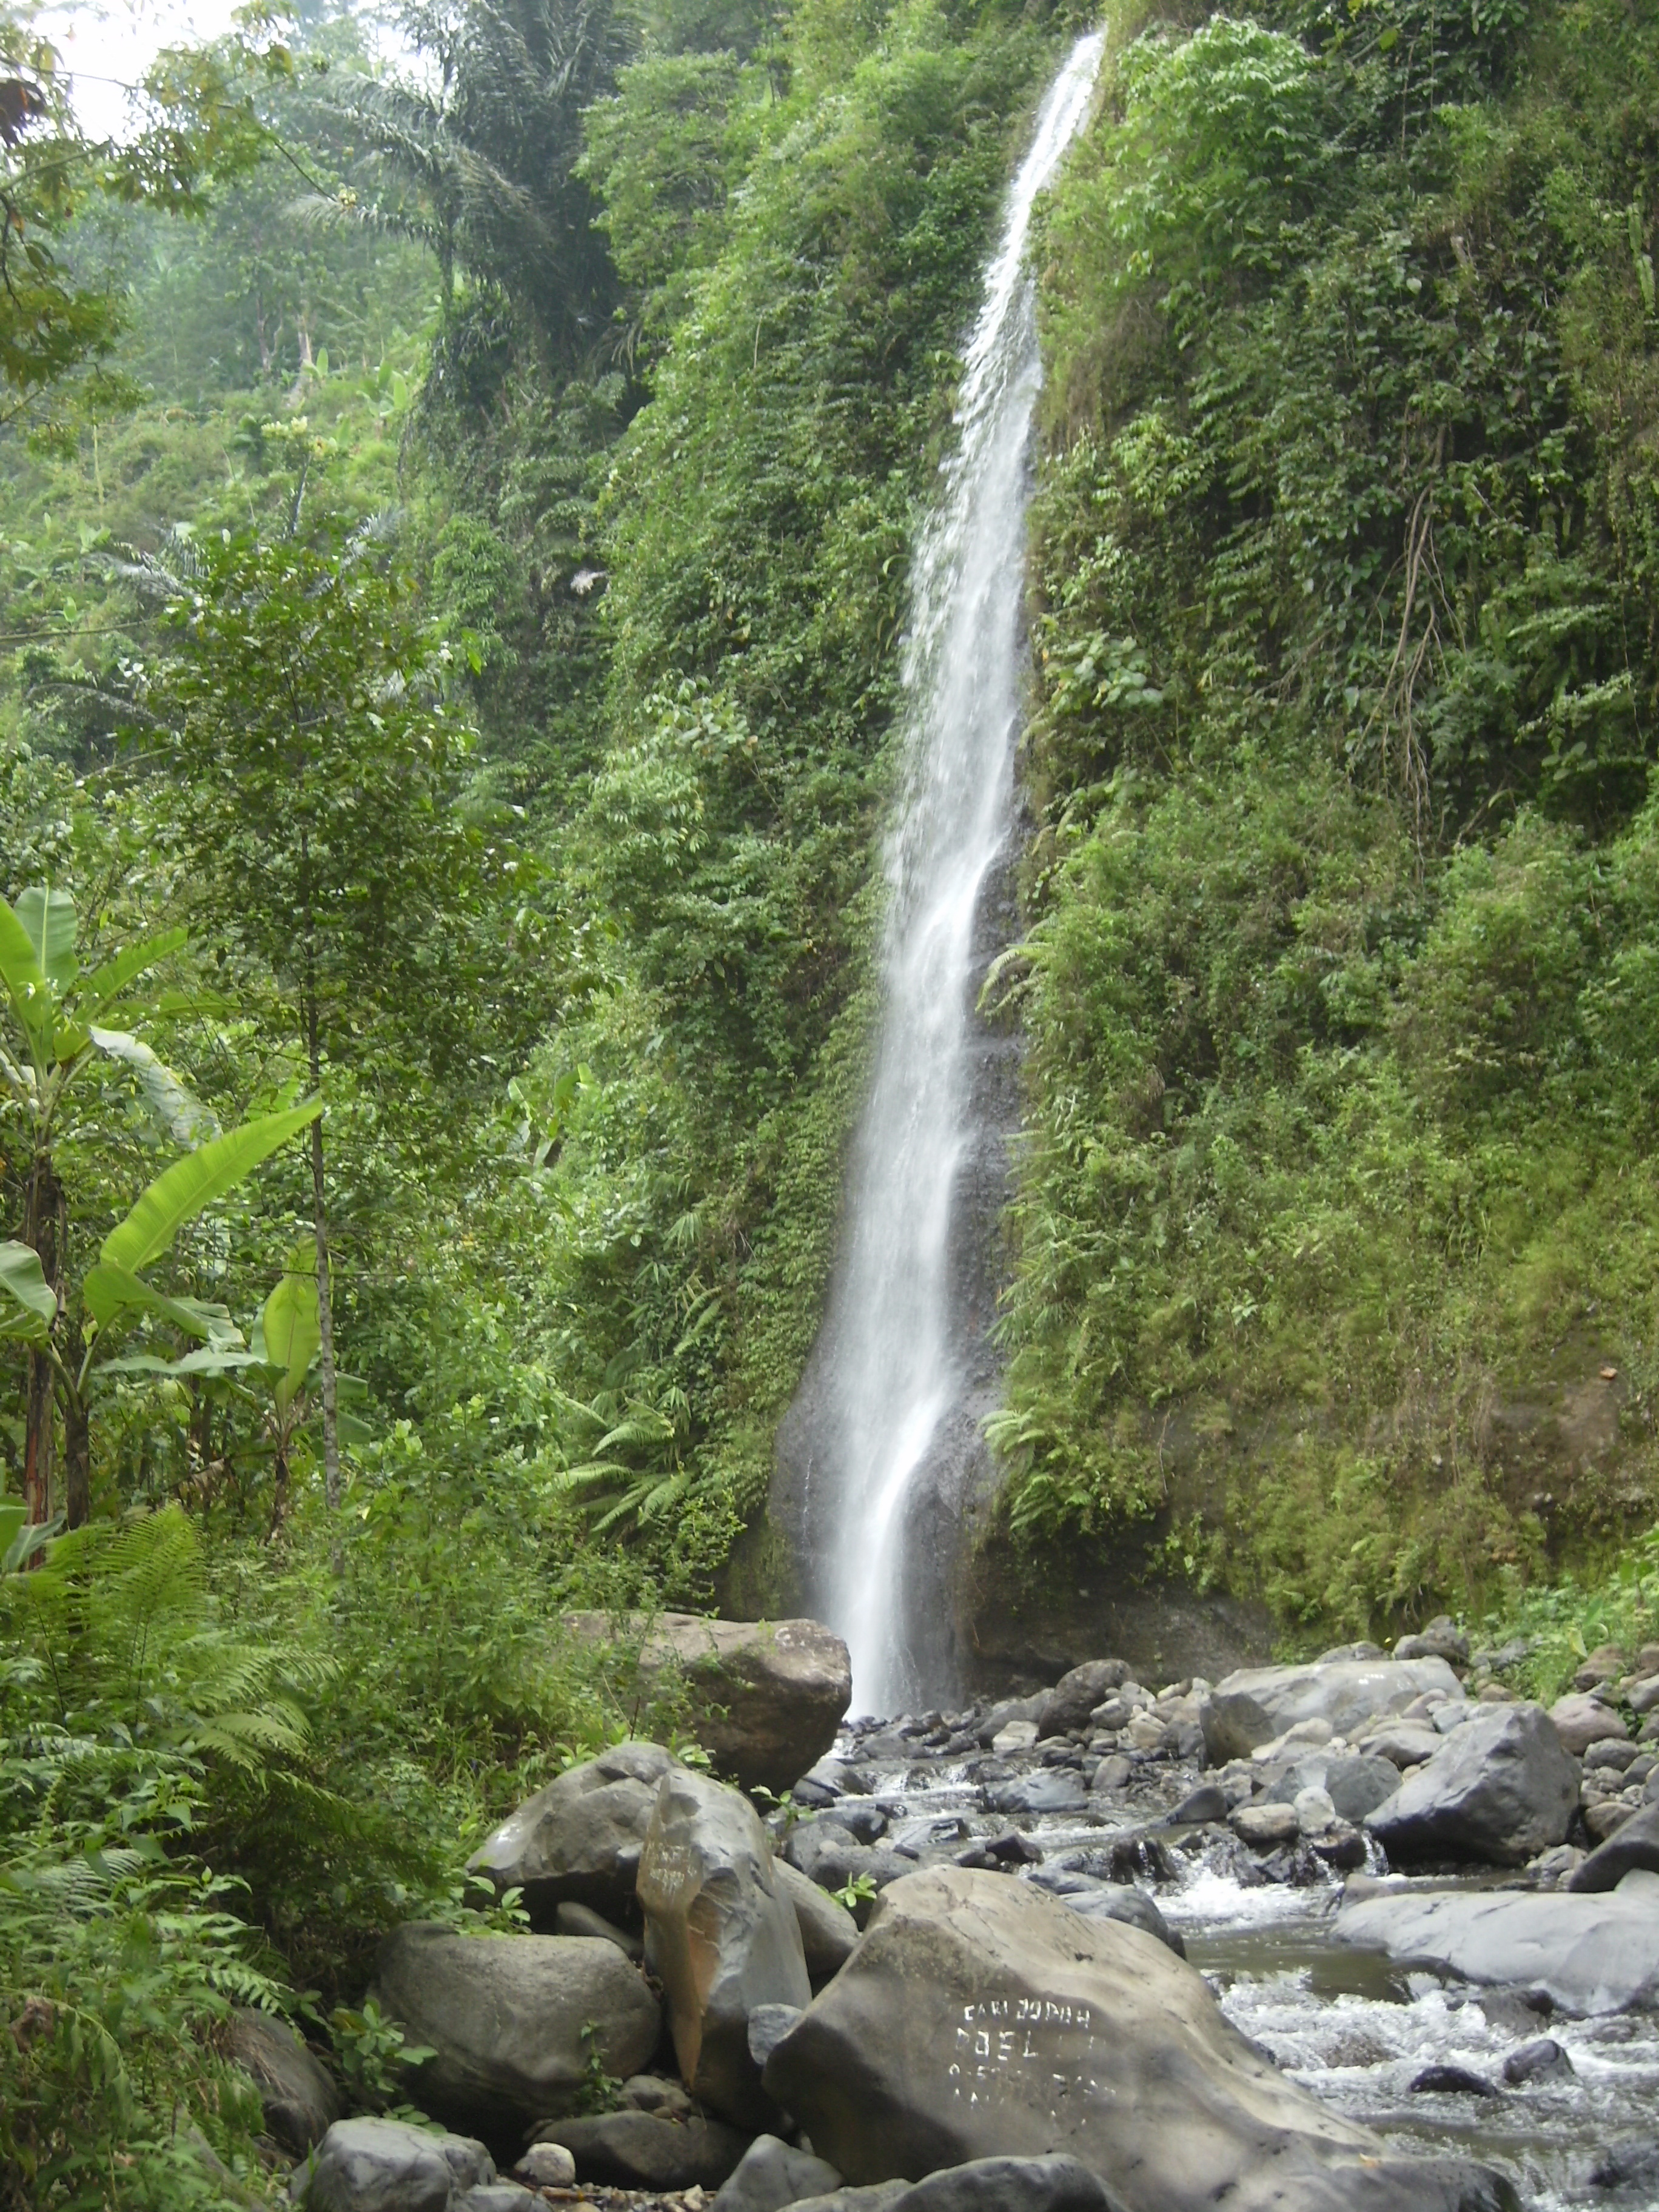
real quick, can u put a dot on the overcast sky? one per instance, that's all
(108, 48)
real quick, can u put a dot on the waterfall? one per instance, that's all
(895, 1366)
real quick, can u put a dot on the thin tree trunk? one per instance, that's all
(77, 1441)
(324, 1308)
(43, 1207)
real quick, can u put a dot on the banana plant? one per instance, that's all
(61, 1022)
(115, 1293)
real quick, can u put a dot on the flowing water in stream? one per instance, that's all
(896, 1371)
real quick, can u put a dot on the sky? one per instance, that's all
(106, 48)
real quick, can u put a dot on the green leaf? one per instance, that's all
(48, 918)
(111, 1290)
(292, 1332)
(20, 969)
(28, 1307)
(195, 1181)
(21, 1538)
(175, 1105)
(212, 1361)
(105, 984)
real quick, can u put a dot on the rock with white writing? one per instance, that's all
(1259, 1704)
(721, 1934)
(979, 2018)
(580, 1838)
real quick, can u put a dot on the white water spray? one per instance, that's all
(896, 1374)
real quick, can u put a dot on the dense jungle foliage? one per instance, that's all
(456, 525)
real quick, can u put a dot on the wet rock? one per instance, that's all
(570, 1919)
(765, 1697)
(1259, 1704)
(1543, 2060)
(580, 1838)
(1123, 1902)
(771, 2175)
(1401, 1742)
(829, 1856)
(1075, 1696)
(863, 1820)
(505, 2016)
(942, 2039)
(1010, 1709)
(768, 2025)
(1265, 1823)
(1442, 1640)
(1315, 1816)
(1581, 1721)
(1051, 1789)
(1207, 1802)
(1451, 2080)
(828, 1929)
(1014, 1737)
(297, 2096)
(641, 2150)
(1634, 1848)
(1012, 2184)
(1111, 1775)
(1605, 1817)
(1588, 1955)
(546, 2166)
(1500, 1788)
(722, 1934)
(387, 2165)
(1630, 2164)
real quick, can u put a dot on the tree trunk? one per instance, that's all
(43, 1225)
(77, 1441)
(325, 1305)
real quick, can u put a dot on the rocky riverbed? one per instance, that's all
(1371, 1933)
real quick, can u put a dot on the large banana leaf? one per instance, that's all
(28, 1307)
(293, 1335)
(175, 1105)
(105, 984)
(22, 973)
(21, 1538)
(213, 1360)
(111, 1290)
(195, 1181)
(48, 917)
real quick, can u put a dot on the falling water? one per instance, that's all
(895, 1373)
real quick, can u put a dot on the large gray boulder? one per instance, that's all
(1591, 1955)
(387, 2165)
(722, 1935)
(828, 1929)
(763, 1698)
(1500, 1788)
(980, 2018)
(578, 1839)
(1632, 1849)
(771, 2175)
(1012, 2184)
(298, 2099)
(1258, 1704)
(506, 2017)
(641, 2150)
(1075, 1696)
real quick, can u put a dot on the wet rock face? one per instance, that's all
(505, 2016)
(1259, 1704)
(979, 2018)
(1500, 1788)
(578, 1840)
(721, 1933)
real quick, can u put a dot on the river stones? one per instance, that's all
(1581, 1721)
(722, 1934)
(979, 2018)
(772, 2174)
(580, 1838)
(505, 2017)
(1500, 1788)
(764, 1697)
(1050, 1790)
(642, 2150)
(1075, 1696)
(1589, 1954)
(298, 2098)
(1259, 1704)
(1632, 1848)
(387, 2165)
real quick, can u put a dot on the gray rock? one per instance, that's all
(570, 1919)
(642, 2150)
(1452, 2082)
(1543, 2060)
(1206, 1802)
(943, 2038)
(579, 1838)
(864, 1820)
(1258, 1704)
(1012, 2184)
(1629, 2163)
(505, 2015)
(1011, 1709)
(1634, 1848)
(495, 2196)
(1122, 1901)
(654, 2093)
(764, 1697)
(299, 2099)
(1401, 1742)
(1075, 1696)
(1357, 1785)
(1500, 1788)
(386, 2166)
(879, 2197)
(768, 2025)
(1589, 1954)
(546, 2166)
(721, 1934)
(828, 1929)
(830, 1857)
(1266, 1823)
(771, 2175)
(1442, 1640)
(1111, 1775)
(1050, 1790)
(1581, 1721)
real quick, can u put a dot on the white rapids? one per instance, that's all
(896, 1374)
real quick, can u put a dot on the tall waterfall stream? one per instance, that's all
(896, 1372)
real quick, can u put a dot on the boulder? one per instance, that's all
(497, 2197)
(771, 2175)
(570, 1919)
(1266, 1823)
(1402, 1743)
(830, 1856)
(298, 2097)
(1075, 1696)
(1207, 1802)
(546, 2166)
(505, 2016)
(828, 1929)
(768, 2025)
(387, 2165)
(642, 2150)
(1581, 1721)
(1632, 1848)
(579, 1838)
(721, 1934)
(1541, 2060)
(1442, 1640)
(980, 2018)
(1500, 1788)
(1012, 2184)
(1050, 1790)
(1260, 1703)
(879, 2197)
(1589, 1954)
(1117, 1901)
(764, 1697)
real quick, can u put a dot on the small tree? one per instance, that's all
(315, 771)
